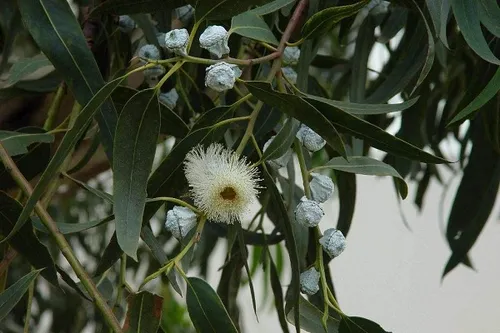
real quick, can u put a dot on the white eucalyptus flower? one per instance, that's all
(126, 23)
(214, 39)
(310, 139)
(290, 74)
(169, 98)
(291, 55)
(321, 187)
(281, 161)
(333, 242)
(180, 220)
(309, 281)
(308, 213)
(221, 76)
(222, 183)
(149, 51)
(177, 41)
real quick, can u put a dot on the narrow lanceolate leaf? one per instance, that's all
(205, 308)
(144, 313)
(489, 12)
(366, 109)
(282, 141)
(364, 165)
(59, 35)
(101, 194)
(71, 228)
(26, 67)
(252, 26)
(68, 142)
(277, 292)
(484, 96)
(359, 325)
(13, 294)
(222, 9)
(271, 7)
(322, 22)
(121, 7)
(431, 50)
(310, 318)
(467, 16)
(136, 135)
(24, 241)
(16, 143)
(346, 188)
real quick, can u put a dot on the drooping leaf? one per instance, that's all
(366, 109)
(16, 143)
(359, 67)
(359, 325)
(431, 49)
(24, 241)
(143, 313)
(222, 9)
(25, 67)
(13, 294)
(136, 135)
(59, 35)
(122, 7)
(322, 22)
(101, 194)
(282, 141)
(484, 96)
(271, 7)
(489, 12)
(346, 188)
(365, 165)
(467, 16)
(71, 228)
(252, 26)
(310, 319)
(205, 308)
(278, 293)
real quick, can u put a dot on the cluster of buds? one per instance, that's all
(290, 57)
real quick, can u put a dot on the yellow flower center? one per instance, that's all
(228, 193)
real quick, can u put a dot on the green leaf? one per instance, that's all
(30, 164)
(364, 165)
(205, 308)
(101, 194)
(24, 241)
(467, 16)
(445, 12)
(321, 23)
(434, 7)
(55, 29)
(366, 109)
(222, 9)
(310, 319)
(71, 228)
(122, 7)
(13, 294)
(277, 292)
(301, 110)
(489, 12)
(359, 63)
(135, 145)
(16, 143)
(484, 96)
(346, 188)
(68, 142)
(271, 7)
(252, 26)
(144, 313)
(27, 66)
(431, 50)
(359, 325)
(282, 141)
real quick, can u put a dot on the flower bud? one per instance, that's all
(309, 281)
(149, 51)
(180, 220)
(154, 72)
(290, 74)
(321, 187)
(280, 161)
(310, 139)
(221, 76)
(169, 98)
(333, 242)
(160, 37)
(184, 13)
(291, 55)
(308, 213)
(214, 39)
(177, 40)
(126, 23)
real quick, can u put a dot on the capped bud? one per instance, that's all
(149, 51)
(310, 139)
(126, 23)
(221, 76)
(169, 98)
(280, 161)
(290, 74)
(214, 39)
(333, 242)
(184, 13)
(321, 187)
(291, 55)
(177, 40)
(308, 213)
(154, 71)
(309, 281)
(160, 37)
(180, 220)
